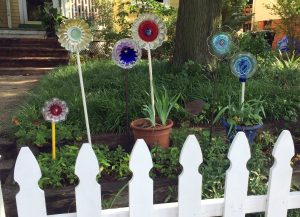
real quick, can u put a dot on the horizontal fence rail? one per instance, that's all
(236, 202)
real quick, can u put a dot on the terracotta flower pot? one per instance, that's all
(152, 135)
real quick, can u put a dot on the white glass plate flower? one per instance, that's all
(74, 35)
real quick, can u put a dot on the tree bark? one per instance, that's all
(196, 21)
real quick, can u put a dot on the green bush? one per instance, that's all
(104, 83)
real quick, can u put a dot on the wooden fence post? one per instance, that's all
(30, 199)
(280, 176)
(141, 185)
(88, 192)
(190, 181)
(236, 184)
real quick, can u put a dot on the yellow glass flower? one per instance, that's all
(74, 35)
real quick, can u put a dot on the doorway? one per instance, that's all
(30, 12)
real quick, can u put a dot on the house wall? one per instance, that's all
(3, 16)
(15, 15)
(260, 11)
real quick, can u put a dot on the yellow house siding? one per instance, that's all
(260, 11)
(15, 14)
(3, 16)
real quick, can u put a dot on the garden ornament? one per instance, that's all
(75, 35)
(243, 65)
(126, 54)
(221, 44)
(149, 31)
(55, 111)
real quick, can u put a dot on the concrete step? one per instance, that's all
(29, 42)
(32, 52)
(24, 70)
(33, 61)
(22, 33)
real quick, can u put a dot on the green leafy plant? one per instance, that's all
(288, 62)
(249, 113)
(163, 106)
(50, 18)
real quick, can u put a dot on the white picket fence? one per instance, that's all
(78, 8)
(31, 200)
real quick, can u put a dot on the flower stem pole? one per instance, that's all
(53, 140)
(243, 92)
(151, 81)
(126, 100)
(83, 99)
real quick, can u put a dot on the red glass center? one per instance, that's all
(148, 30)
(55, 110)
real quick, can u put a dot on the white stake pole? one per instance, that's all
(83, 99)
(151, 80)
(243, 92)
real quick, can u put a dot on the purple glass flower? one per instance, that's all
(126, 53)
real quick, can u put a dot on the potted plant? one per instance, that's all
(246, 117)
(156, 130)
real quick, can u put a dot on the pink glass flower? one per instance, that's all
(55, 110)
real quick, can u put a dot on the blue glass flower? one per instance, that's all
(221, 44)
(126, 53)
(243, 65)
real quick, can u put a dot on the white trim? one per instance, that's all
(21, 12)
(8, 12)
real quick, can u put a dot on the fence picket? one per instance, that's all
(2, 212)
(280, 176)
(30, 199)
(190, 180)
(141, 185)
(236, 183)
(87, 192)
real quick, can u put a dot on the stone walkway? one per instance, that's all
(13, 91)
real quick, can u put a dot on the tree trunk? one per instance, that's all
(196, 21)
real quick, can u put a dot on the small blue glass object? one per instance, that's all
(148, 32)
(128, 55)
(221, 44)
(243, 65)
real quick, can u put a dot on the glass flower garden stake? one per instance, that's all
(149, 31)
(221, 44)
(243, 65)
(75, 35)
(54, 111)
(126, 54)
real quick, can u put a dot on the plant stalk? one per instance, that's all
(83, 99)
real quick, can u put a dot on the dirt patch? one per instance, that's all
(13, 91)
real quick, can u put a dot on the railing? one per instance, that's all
(31, 199)
(78, 8)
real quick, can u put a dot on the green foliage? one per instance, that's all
(149, 113)
(50, 18)
(164, 104)
(104, 83)
(60, 172)
(249, 113)
(286, 62)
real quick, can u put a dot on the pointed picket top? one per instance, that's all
(88, 193)
(140, 157)
(236, 183)
(141, 185)
(190, 180)
(191, 154)
(30, 199)
(239, 151)
(280, 176)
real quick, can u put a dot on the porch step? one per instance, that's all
(32, 51)
(22, 33)
(32, 61)
(30, 56)
(24, 70)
